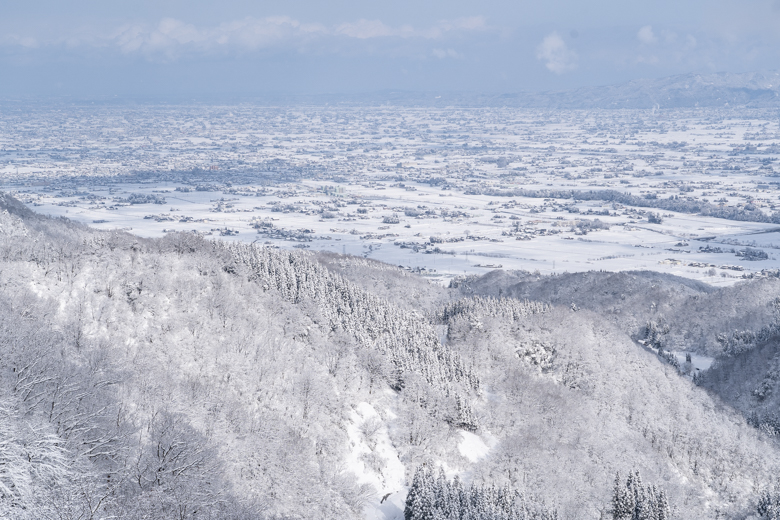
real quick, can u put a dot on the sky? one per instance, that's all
(245, 48)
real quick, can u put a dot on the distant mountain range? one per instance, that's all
(722, 89)
(751, 89)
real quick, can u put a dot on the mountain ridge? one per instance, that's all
(752, 90)
(193, 378)
(759, 89)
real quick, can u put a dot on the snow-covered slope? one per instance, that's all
(151, 378)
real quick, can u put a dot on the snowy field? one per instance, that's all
(434, 190)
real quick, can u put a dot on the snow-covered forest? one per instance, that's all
(188, 378)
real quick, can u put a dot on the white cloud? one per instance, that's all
(445, 53)
(28, 42)
(171, 38)
(646, 35)
(20, 41)
(363, 29)
(554, 51)
(468, 24)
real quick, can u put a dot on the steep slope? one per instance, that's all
(750, 382)
(261, 365)
(697, 317)
(573, 400)
(190, 378)
(386, 281)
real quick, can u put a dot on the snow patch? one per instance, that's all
(388, 507)
(473, 447)
(374, 460)
(698, 361)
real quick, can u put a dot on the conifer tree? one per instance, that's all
(412, 497)
(635, 502)
(622, 501)
(434, 497)
(662, 506)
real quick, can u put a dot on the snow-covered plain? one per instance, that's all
(426, 189)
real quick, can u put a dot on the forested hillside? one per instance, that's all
(188, 378)
(693, 315)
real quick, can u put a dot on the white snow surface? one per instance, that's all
(473, 447)
(391, 508)
(698, 361)
(368, 435)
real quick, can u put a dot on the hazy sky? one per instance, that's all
(239, 47)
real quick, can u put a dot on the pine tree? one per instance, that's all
(650, 504)
(413, 497)
(622, 499)
(634, 501)
(433, 497)
(639, 497)
(504, 501)
(441, 492)
(662, 506)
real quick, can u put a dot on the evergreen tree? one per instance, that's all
(622, 502)
(412, 500)
(640, 506)
(662, 506)
(635, 502)
(433, 497)
(769, 505)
